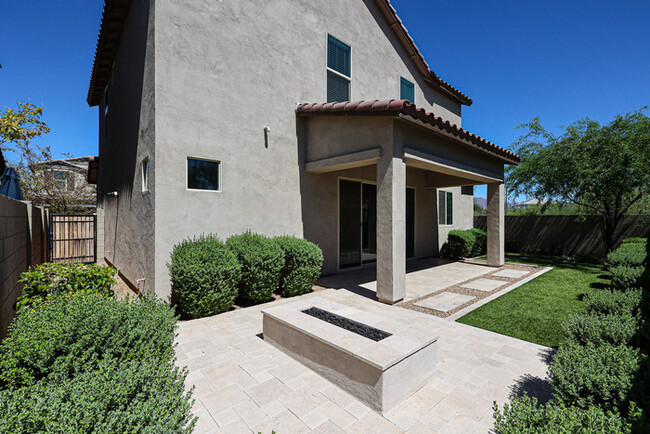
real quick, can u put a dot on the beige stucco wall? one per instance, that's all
(129, 218)
(224, 71)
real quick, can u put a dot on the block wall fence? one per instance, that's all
(23, 243)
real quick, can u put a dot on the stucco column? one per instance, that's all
(495, 224)
(391, 229)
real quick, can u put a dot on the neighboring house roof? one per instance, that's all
(114, 15)
(409, 111)
(534, 201)
(75, 162)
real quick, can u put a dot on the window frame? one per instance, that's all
(145, 174)
(187, 174)
(448, 200)
(403, 80)
(329, 70)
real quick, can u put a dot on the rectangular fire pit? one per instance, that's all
(381, 355)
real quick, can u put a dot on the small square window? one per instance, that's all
(60, 180)
(407, 90)
(145, 174)
(203, 174)
(467, 190)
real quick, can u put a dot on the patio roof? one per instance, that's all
(408, 111)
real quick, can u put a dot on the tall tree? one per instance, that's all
(604, 169)
(41, 183)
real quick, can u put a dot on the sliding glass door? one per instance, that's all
(358, 223)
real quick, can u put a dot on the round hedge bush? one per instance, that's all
(262, 261)
(205, 275)
(303, 261)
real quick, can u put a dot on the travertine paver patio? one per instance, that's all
(243, 384)
(424, 276)
(444, 301)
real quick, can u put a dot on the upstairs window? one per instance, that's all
(145, 174)
(60, 179)
(106, 113)
(203, 174)
(338, 70)
(467, 190)
(407, 90)
(445, 208)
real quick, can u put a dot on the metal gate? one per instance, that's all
(73, 238)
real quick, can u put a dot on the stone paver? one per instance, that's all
(247, 385)
(424, 276)
(485, 285)
(511, 274)
(444, 301)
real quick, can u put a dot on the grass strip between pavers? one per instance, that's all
(535, 311)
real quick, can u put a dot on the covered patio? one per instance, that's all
(396, 147)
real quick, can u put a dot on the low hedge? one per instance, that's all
(628, 255)
(303, 262)
(262, 261)
(464, 244)
(526, 415)
(614, 329)
(51, 279)
(609, 302)
(634, 240)
(627, 277)
(205, 276)
(480, 243)
(594, 375)
(87, 363)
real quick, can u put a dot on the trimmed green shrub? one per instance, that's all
(628, 255)
(87, 363)
(205, 275)
(262, 261)
(480, 242)
(303, 261)
(613, 329)
(525, 415)
(627, 277)
(594, 375)
(460, 243)
(70, 333)
(614, 302)
(50, 279)
(120, 396)
(633, 240)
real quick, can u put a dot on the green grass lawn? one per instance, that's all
(535, 311)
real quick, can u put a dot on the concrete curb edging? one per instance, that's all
(496, 295)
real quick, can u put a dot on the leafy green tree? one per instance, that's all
(18, 127)
(39, 183)
(604, 169)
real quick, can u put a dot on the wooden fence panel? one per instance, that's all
(73, 238)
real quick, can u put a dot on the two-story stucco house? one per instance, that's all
(317, 118)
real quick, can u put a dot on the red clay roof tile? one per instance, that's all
(405, 108)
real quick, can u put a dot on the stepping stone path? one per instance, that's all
(485, 285)
(511, 274)
(445, 301)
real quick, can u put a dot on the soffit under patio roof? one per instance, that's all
(408, 111)
(114, 16)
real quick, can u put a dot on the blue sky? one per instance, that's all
(517, 59)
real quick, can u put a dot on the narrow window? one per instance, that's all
(338, 70)
(445, 208)
(106, 113)
(203, 174)
(407, 90)
(145, 174)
